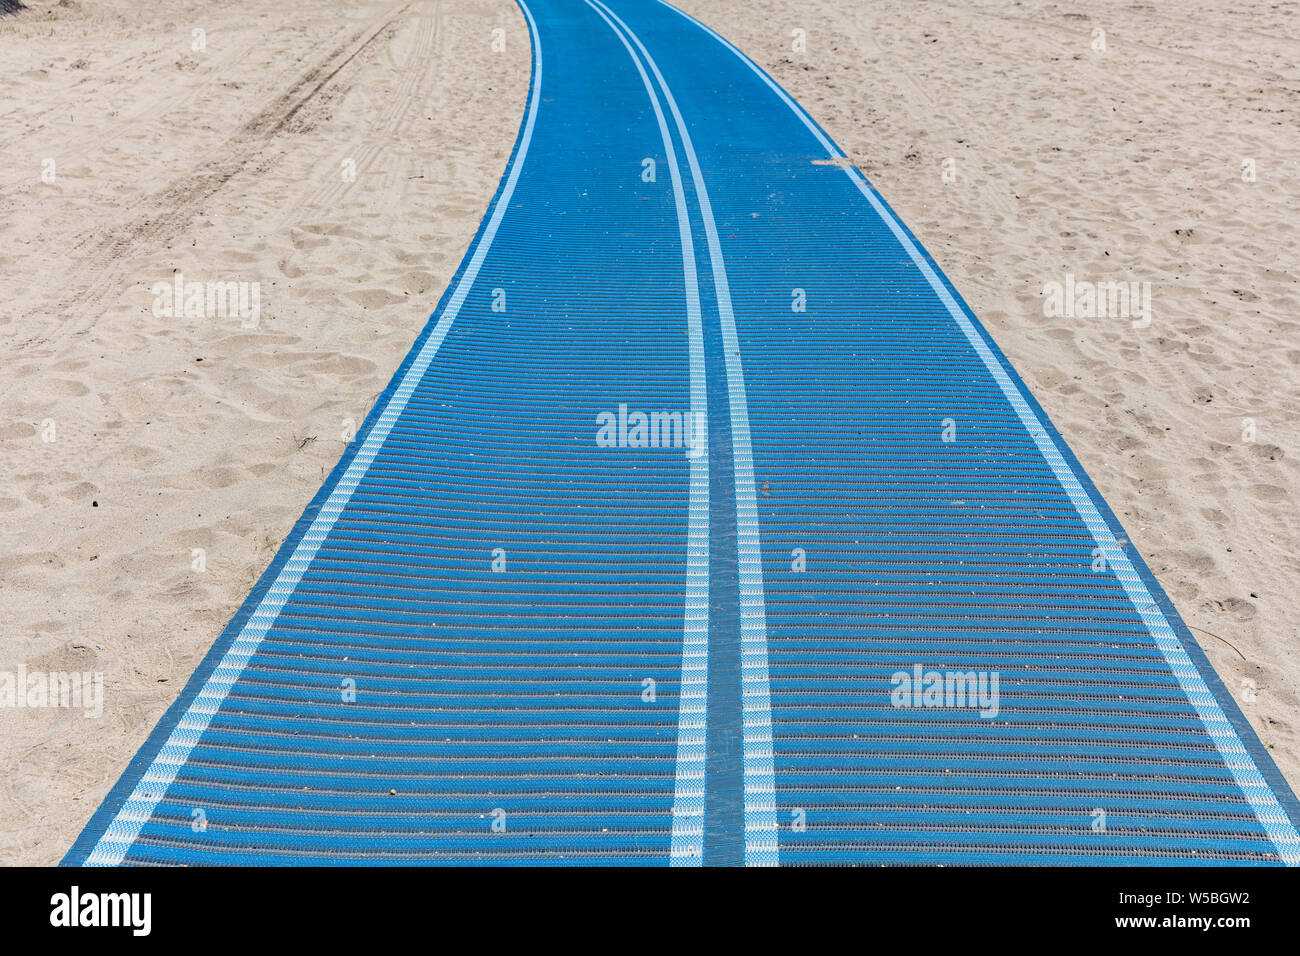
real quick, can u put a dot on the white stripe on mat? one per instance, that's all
(756, 701)
(692, 705)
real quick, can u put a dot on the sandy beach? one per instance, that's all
(337, 159)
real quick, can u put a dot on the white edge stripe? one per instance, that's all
(687, 848)
(125, 826)
(761, 847)
(1254, 787)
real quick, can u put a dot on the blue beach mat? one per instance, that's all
(703, 523)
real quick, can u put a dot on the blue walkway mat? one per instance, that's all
(703, 523)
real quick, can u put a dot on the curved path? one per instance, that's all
(698, 471)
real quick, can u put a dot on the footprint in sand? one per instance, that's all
(375, 298)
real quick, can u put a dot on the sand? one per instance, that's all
(227, 164)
